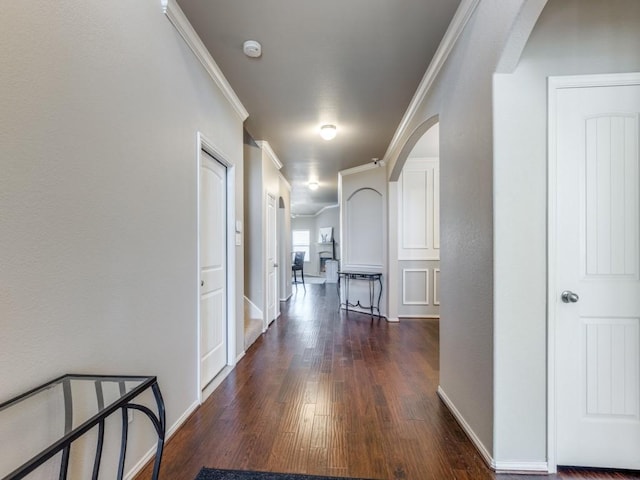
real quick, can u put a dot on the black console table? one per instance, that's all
(59, 412)
(372, 278)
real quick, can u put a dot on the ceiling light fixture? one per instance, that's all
(328, 132)
(313, 185)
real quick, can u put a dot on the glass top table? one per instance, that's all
(43, 422)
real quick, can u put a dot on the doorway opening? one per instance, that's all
(216, 267)
(418, 232)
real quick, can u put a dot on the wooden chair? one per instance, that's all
(298, 266)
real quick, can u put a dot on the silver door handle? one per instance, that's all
(202, 283)
(569, 297)
(275, 265)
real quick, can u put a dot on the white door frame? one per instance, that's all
(555, 84)
(203, 144)
(266, 320)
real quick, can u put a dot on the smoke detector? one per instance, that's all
(252, 49)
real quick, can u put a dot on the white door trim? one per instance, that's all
(270, 230)
(206, 145)
(555, 84)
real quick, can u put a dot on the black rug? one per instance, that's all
(215, 474)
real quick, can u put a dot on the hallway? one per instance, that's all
(326, 393)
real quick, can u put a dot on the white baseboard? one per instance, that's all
(484, 453)
(541, 468)
(169, 433)
(420, 316)
(500, 467)
(239, 357)
(287, 298)
(393, 320)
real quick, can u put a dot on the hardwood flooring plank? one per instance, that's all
(324, 392)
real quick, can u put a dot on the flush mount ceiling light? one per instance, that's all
(252, 49)
(313, 185)
(328, 132)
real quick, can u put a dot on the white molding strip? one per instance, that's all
(430, 316)
(264, 145)
(484, 453)
(177, 17)
(152, 451)
(459, 21)
(521, 467)
(405, 300)
(361, 168)
(436, 286)
(393, 320)
(323, 209)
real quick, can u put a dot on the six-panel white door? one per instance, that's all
(213, 268)
(597, 240)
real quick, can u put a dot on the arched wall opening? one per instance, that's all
(414, 209)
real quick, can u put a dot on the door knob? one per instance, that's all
(275, 265)
(569, 297)
(202, 283)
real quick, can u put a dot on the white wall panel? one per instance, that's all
(419, 210)
(415, 286)
(611, 377)
(364, 216)
(611, 244)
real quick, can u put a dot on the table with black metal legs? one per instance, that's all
(371, 278)
(51, 417)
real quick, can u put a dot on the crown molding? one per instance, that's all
(313, 215)
(177, 17)
(361, 168)
(264, 145)
(458, 22)
(325, 208)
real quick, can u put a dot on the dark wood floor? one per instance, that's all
(327, 393)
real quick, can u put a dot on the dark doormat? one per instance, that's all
(215, 474)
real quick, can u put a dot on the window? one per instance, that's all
(300, 242)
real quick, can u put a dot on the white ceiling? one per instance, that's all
(353, 63)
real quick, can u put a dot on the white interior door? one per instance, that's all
(213, 268)
(272, 255)
(597, 240)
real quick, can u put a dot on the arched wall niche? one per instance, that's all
(364, 214)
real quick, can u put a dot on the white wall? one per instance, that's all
(253, 224)
(571, 37)
(261, 178)
(100, 105)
